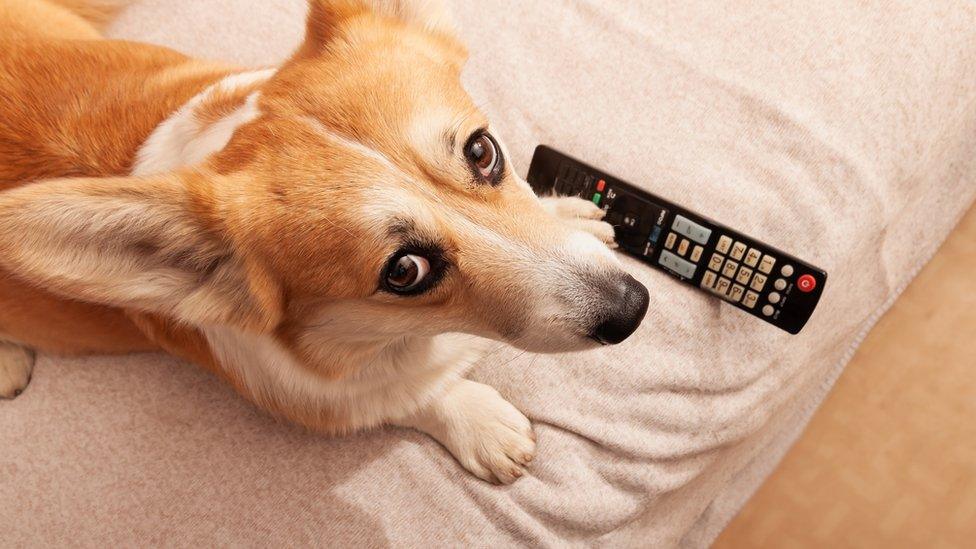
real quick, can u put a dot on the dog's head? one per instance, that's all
(369, 200)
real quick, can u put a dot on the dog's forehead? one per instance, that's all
(375, 86)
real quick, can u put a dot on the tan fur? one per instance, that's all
(262, 262)
(96, 12)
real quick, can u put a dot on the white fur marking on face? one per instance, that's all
(182, 140)
(348, 143)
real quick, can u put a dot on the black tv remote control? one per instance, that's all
(753, 276)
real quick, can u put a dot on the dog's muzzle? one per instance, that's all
(626, 304)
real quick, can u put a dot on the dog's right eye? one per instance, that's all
(485, 156)
(406, 273)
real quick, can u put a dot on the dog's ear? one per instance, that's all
(326, 16)
(147, 244)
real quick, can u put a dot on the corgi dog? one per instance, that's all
(336, 237)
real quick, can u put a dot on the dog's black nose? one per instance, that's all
(626, 305)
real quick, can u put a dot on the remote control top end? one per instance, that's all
(747, 273)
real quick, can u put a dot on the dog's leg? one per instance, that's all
(488, 435)
(16, 365)
(581, 214)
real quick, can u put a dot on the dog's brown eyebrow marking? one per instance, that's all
(402, 227)
(451, 136)
(408, 234)
(452, 133)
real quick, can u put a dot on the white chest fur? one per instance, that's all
(399, 379)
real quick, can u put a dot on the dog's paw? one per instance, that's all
(491, 438)
(602, 231)
(16, 366)
(572, 208)
(486, 434)
(582, 215)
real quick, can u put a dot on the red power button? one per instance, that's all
(806, 283)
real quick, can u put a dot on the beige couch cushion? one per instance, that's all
(841, 131)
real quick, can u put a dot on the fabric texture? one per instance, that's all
(843, 132)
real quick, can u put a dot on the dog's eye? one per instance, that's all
(406, 272)
(484, 155)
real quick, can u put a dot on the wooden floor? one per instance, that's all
(890, 459)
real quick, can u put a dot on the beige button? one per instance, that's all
(768, 310)
(735, 294)
(696, 254)
(724, 243)
(767, 264)
(774, 298)
(751, 299)
(738, 250)
(730, 268)
(683, 247)
(744, 275)
(780, 284)
(723, 285)
(669, 243)
(708, 281)
(716, 262)
(758, 282)
(787, 270)
(752, 257)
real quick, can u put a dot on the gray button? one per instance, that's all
(676, 264)
(684, 226)
(780, 284)
(768, 310)
(774, 298)
(787, 270)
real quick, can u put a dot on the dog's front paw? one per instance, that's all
(16, 366)
(572, 208)
(486, 434)
(582, 215)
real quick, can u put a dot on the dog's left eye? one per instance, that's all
(406, 273)
(484, 155)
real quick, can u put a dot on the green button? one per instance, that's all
(596, 198)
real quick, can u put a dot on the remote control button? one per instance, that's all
(744, 275)
(716, 262)
(723, 285)
(730, 268)
(806, 283)
(767, 264)
(738, 250)
(683, 247)
(686, 227)
(780, 284)
(708, 281)
(787, 271)
(597, 198)
(601, 185)
(655, 234)
(669, 243)
(751, 299)
(697, 253)
(774, 298)
(768, 310)
(752, 257)
(677, 265)
(736, 293)
(631, 220)
(724, 244)
(758, 282)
